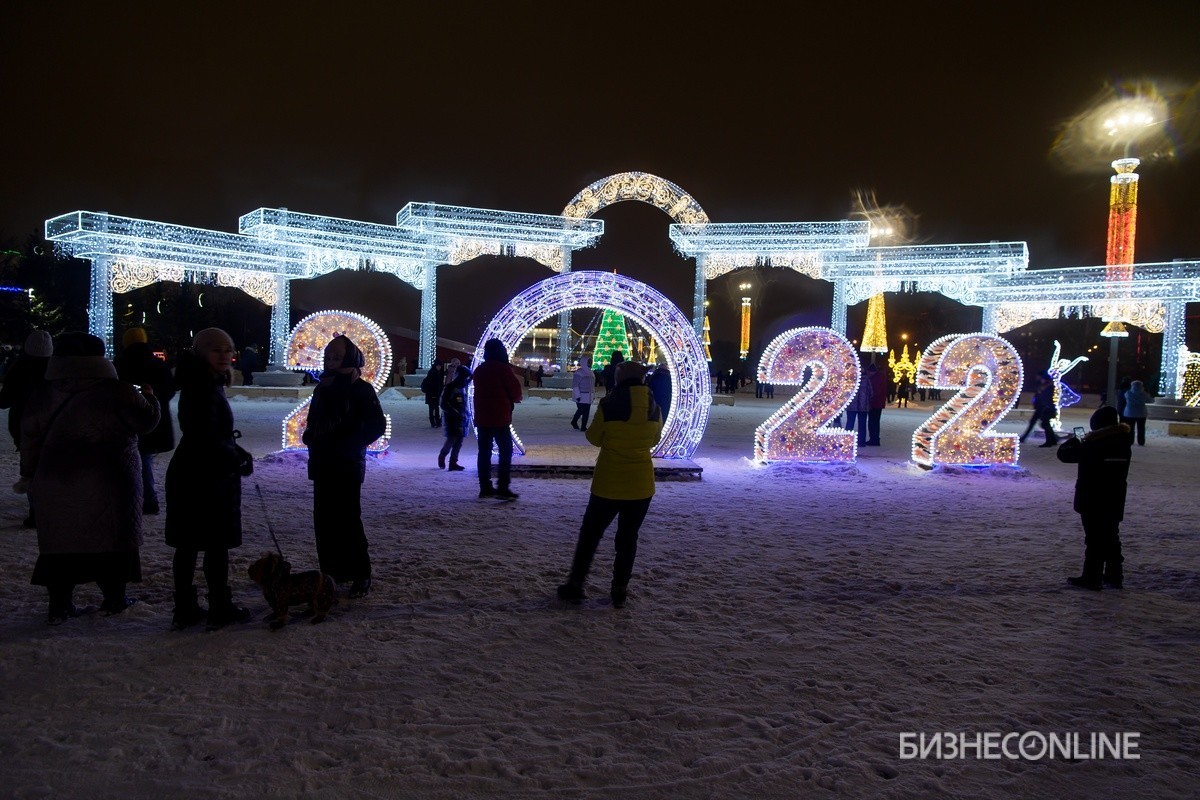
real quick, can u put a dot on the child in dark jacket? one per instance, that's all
(1103, 458)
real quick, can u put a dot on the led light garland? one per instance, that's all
(691, 390)
(306, 351)
(822, 362)
(1064, 395)
(987, 372)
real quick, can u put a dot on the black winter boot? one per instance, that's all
(188, 611)
(222, 611)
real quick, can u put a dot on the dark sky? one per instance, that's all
(195, 113)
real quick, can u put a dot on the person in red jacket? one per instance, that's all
(497, 391)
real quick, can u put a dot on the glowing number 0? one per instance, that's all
(799, 430)
(987, 372)
(306, 351)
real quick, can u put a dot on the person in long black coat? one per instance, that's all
(138, 365)
(454, 410)
(23, 377)
(344, 418)
(432, 386)
(1103, 457)
(204, 485)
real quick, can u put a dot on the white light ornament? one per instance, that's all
(691, 391)
(306, 352)
(822, 362)
(987, 373)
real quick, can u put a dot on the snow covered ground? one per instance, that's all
(786, 625)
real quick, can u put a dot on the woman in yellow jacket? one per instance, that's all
(627, 425)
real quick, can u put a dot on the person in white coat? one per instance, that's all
(582, 386)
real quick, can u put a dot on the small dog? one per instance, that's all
(282, 589)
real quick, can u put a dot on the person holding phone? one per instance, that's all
(1103, 457)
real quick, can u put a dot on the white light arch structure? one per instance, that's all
(691, 389)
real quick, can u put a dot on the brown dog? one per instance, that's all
(282, 589)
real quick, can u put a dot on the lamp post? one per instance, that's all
(744, 349)
(1124, 123)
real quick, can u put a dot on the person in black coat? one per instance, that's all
(23, 376)
(454, 408)
(609, 373)
(659, 382)
(432, 386)
(204, 485)
(344, 418)
(1044, 410)
(138, 365)
(1103, 458)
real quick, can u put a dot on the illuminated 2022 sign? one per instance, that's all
(987, 373)
(824, 365)
(691, 390)
(306, 351)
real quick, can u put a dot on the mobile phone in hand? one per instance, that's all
(1078, 431)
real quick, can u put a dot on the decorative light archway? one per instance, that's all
(691, 390)
(306, 352)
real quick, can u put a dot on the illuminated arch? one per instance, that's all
(306, 351)
(647, 188)
(691, 391)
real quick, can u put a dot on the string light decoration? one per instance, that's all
(905, 366)
(744, 342)
(306, 352)
(691, 390)
(822, 362)
(611, 337)
(1189, 376)
(987, 372)
(1064, 395)
(874, 338)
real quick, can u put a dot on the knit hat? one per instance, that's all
(209, 338)
(1104, 417)
(77, 343)
(134, 336)
(39, 344)
(494, 350)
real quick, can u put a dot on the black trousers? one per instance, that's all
(216, 570)
(582, 411)
(861, 417)
(501, 437)
(1137, 429)
(337, 523)
(1102, 557)
(597, 517)
(873, 425)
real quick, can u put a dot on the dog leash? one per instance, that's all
(267, 516)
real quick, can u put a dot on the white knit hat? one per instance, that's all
(39, 344)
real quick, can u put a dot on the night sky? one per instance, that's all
(197, 113)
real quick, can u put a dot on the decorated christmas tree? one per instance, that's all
(875, 334)
(611, 336)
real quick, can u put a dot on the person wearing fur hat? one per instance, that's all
(497, 391)
(627, 425)
(23, 377)
(343, 419)
(79, 454)
(138, 365)
(204, 485)
(1103, 457)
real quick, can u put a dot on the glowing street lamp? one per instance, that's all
(745, 342)
(1125, 122)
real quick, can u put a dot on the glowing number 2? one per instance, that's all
(987, 372)
(799, 430)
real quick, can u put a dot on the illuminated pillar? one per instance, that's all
(427, 347)
(564, 322)
(699, 316)
(1173, 339)
(281, 326)
(1118, 261)
(745, 342)
(100, 302)
(874, 338)
(837, 316)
